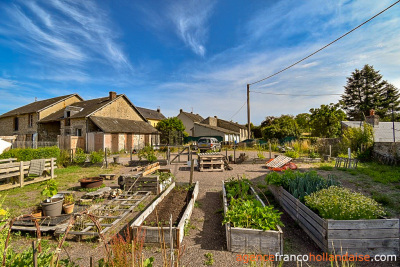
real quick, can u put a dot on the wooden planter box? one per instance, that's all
(152, 234)
(244, 240)
(372, 237)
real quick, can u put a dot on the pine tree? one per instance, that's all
(366, 90)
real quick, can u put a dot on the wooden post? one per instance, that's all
(171, 238)
(349, 153)
(131, 154)
(52, 168)
(270, 150)
(105, 157)
(91, 262)
(234, 154)
(21, 174)
(168, 156)
(191, 171)
(330, 151)
(226, 152)
(34, 250)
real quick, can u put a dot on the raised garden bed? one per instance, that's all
(91, 182)
(245, 240)
(372, 237)
(179, 203)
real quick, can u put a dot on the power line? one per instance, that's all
(268, 93)
(238, 110)
(310, 55)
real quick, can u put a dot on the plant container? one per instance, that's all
(52, 206)
(91, 182)
(36, 214)
(68, 208)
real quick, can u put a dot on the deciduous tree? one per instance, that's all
(326, 120)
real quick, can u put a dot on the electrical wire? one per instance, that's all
(268, 93)
(238, 110)
(310, 55)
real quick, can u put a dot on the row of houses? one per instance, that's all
(111, 122)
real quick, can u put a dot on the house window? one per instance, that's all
(16, 126)
(78, 132)
(30, 121)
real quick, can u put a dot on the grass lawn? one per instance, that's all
(381, 182)
(21, 200)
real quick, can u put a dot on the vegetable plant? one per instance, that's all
(342, 204)
(50, 189)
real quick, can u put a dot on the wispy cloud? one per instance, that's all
(78, 34)
(187, 19)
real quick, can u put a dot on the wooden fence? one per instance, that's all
(15, 174)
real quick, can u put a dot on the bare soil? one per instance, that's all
(173, 204)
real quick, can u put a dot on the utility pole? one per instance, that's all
(248, 112)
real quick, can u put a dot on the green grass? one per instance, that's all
(21, 200)
(379, 173)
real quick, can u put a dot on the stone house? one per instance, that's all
(29, 122)
(188, 120)
(111, 122)
(227, 130)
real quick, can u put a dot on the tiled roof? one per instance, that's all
(113, 125)
(90, 106)
(151, 114)
(222, 130)
(36, 106)
(193, 117)
(230, 125)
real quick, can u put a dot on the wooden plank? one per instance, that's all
(10, 160)
(364, 243)
(363, 233)
(363, 224)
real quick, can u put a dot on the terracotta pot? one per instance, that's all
(91, 182)
(68, 208)
(52, 208)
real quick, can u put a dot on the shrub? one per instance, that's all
(342, 204)
(300, 184)
(148, 153)
(64, 159)
(292, 154)
(96, 157)
(80, 156)
(27, 154)
(313, 155)
(4, 215)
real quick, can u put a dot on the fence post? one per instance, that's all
(34, 252)
(21, 174)
(105, 157)
(131, 154)
(52, 168)
(330, 150)
(191, 171)
(349, 152)
(168, 156)
(270, 150)
(234, 154)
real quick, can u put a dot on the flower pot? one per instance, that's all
(53, 207)
(68, 208)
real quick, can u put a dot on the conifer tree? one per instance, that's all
(366, 90)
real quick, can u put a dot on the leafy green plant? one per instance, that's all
(301, 184)
(292, 154)
(164, 176)
(4, 215)
(64, 159)
(251, 214)
(342, 204)
(69, 199)
(209, 259)
(238, 188)
(96, 156)
(188, 227)
(313, 155)
(80, 156)
(148, 153)
(50, 189)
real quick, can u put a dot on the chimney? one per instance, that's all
(212, 121)
(112, 95)
(372, 118)
(180, 111)
(158, 110)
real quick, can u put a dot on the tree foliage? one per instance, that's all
(326, 121)
(359, 139)
(169, 126)
(303, 121)
(366, 90)
(280, 127)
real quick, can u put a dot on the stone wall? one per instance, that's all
(120, 109)
(7, 125)
(56, 107)
(387, 148)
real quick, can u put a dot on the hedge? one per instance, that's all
(27, 154)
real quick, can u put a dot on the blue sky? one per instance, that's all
(194, 55)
